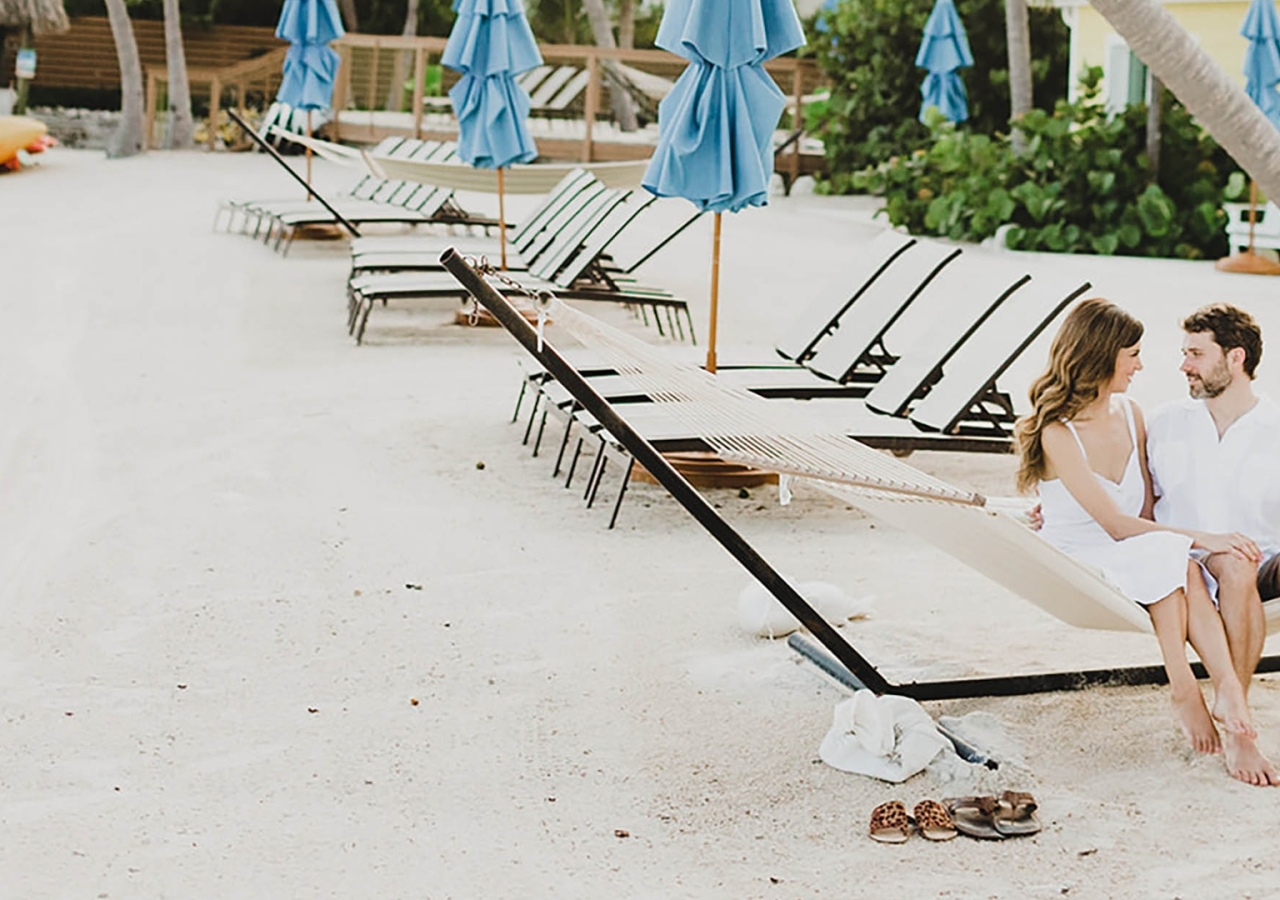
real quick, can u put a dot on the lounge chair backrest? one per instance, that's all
(846, 285)
(656, 226)
(569, 187)
(945, 314)
(397, 191)
(572, 89)
(971, 373)
(580, 205)
(858, 339)
(551, 85)
(565, 248)
(567, 267)
(530, 79)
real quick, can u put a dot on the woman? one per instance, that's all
(1084, 447)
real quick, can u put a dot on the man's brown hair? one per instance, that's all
(1231, 327)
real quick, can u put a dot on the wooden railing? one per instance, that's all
(262, 72)
(364, 81)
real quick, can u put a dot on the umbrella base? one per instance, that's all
(706, 470)
(1247, 264)
(482, 319)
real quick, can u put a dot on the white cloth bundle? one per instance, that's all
(890, 738)
(760, 613)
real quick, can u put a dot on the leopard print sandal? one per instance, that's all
(933, 821)
(889, 823)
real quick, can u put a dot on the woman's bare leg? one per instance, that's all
(1169, 618)
(1209, 638)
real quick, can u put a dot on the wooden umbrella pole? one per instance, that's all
(1253, 209)
(308, 156)
(715, 297)
(502, 220)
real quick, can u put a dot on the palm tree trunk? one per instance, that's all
(404, 59)
(181, 128)
(129, 138)
(1204, 88)
(349, 18)
(624, 111)
(1018, 30)
(627, 24)
(1154, 111)
(23, 84)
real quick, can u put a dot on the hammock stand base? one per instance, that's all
(857, 669)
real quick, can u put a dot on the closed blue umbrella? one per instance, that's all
(944, 49)
(491, 43)
(1261, 75)
(1262, 58)
(715, 144)
(311, 66)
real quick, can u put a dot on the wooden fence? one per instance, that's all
(368, 63)
(85, 56)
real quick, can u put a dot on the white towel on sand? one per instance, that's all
(891, 738)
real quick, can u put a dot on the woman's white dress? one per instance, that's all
(1147, 567)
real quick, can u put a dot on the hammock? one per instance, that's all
(742, 427)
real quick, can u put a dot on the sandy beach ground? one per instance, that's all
(269, 631)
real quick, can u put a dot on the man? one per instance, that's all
(1213, 468)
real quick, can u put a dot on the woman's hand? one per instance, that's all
(1236, 544)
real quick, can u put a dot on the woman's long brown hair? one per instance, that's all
(1082, 360)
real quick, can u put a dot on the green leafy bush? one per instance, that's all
(868, 54)
(1083, 185)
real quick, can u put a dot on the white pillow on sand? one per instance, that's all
(760, 613)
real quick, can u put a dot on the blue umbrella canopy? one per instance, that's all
(491, 42)
(715, 143)
(1262, 58)
(310, 66)
(944, 49)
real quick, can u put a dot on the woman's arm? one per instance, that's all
(1068, 462)
(1149, 493)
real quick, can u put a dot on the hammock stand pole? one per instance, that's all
(860, 671)
(644, 453)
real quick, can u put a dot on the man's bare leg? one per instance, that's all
(1241, 609)
(1239, 740)
(1169, 618)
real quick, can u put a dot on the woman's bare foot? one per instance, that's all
(1245, 761)
(1193, 716)
(1231, 711)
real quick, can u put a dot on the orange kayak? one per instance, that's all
(18, 133)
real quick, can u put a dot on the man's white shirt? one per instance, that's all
(1204, 483)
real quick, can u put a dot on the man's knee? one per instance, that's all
(1234, 575)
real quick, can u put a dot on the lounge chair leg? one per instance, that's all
(564, 444)
(524, 386)
(364, 320)
(595, 468)
(657, 320)
(533, 414)
(622, 492)
(644, 314)
(688, 317)
(679, 327)
(573, 463)
(542, 426)
(595, 486)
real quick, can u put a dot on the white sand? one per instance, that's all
(212, 504)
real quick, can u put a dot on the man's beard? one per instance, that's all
(1212, 384)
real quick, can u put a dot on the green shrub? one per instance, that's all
(1082, 186)
(868, 53)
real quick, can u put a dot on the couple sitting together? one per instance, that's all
(1181, 513)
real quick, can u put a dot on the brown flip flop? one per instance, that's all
(974, 816)
(933, 821)
(889, 823)
(1015, 814)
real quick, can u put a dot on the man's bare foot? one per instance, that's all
(1231, 711)
(1193, 716)
(1245, 761)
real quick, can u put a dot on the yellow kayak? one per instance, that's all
(18, 133)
